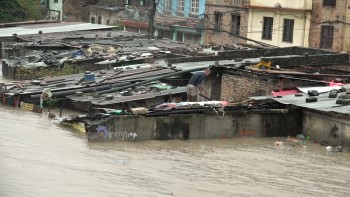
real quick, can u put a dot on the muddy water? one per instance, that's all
(40, 158)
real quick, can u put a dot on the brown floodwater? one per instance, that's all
(40, 158)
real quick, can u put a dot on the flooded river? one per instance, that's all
(40, 158)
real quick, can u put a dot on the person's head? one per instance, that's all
(207, 72)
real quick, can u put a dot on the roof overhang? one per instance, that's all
(277, 9)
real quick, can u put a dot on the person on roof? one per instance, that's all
(195, 83)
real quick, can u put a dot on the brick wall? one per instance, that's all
(212, 84)
(239, 85)
(321, 15)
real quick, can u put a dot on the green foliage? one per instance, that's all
(39, 72)
(50, 103)
(118, 24)
(19, 10)
(32, 9)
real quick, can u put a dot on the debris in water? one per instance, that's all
(277, 143)
(120, 161)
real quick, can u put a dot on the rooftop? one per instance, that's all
(323, 103)
(50, 28)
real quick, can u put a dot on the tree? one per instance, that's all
(19, 10)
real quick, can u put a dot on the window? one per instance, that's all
(267, 28)
(99, 20)
(195, 6)
(288, 30)
(326, 36)
(181, 5)
(55, 1)
(167, 5)
(93, 20)
(329, 3)
(218, 21)
(236, 24)
(108, 22)
(145, 3)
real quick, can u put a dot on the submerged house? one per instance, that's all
(248, 102)
(325, 118)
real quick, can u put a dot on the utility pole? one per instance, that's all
(152, 17)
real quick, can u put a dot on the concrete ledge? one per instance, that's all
(262, 123)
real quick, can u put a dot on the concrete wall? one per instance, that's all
(319, 128)
(309, 60)
(334, 16)
(227, 8)
(315, 55)
(55, 6)
(199, 126)
(274, 52)
(108, 17)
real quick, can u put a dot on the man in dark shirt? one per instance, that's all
(196, 83)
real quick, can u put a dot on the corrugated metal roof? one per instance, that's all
(139, 96)
(323, 103)
(51, 28)
(141, 75)
(206, 64)
(319, 89)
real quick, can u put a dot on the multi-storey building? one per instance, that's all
(224, 20)
(67, 10)
(181, 20)
(55, 9)
(131, 15)
(330, 25)
(281, 23)
(136, 15)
